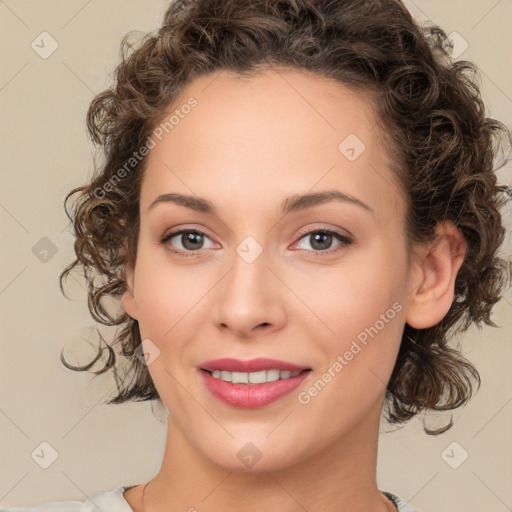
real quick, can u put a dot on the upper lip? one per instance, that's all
(252, 365)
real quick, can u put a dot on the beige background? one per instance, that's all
(45, 152)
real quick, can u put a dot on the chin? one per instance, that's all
(246, 456)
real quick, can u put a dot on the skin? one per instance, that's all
(247, 146)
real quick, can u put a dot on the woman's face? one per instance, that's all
(322, 284)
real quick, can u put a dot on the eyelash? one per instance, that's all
(345, 241)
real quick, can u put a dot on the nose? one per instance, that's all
(249, 299)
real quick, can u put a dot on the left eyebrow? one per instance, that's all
(291, 204)
(304, 201)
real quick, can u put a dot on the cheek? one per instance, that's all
(362, 304)
(165, 294)
(364, 313)
(354, 297)
(167, 299)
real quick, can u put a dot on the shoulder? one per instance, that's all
(111, 500)
(401, 504)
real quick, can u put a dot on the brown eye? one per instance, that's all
(185, 241)
(321, 240)
(191, 240)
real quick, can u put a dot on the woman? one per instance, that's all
(297, 207)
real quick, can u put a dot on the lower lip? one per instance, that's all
(251, 395)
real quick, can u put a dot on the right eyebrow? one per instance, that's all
(195, 203)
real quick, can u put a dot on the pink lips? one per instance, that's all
(251, 395)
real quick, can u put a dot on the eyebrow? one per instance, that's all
(291, 204)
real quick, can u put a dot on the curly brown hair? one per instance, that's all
(443, 151)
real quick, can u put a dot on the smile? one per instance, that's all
(252, 391)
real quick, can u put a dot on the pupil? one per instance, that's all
(189, 239)
(318, 236)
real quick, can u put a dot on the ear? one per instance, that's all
(128, 298)
(435, 269)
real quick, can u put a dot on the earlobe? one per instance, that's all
(434, 289)
(128, 297)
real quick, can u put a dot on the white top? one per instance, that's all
(113, 501)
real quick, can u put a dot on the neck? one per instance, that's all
(339, 478)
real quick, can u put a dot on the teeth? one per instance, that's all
(253, 377)
(239, 378)
(225, 376)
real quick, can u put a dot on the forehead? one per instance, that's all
(278, 133)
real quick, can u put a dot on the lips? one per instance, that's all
(250, 395)
(253, 365)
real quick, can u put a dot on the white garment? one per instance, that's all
(113, 501)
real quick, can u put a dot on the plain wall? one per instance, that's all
(45, 152)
